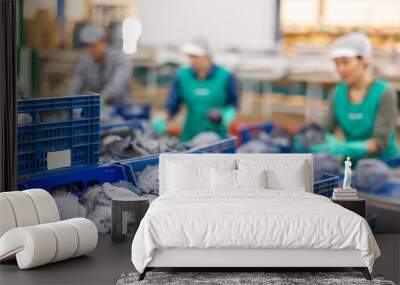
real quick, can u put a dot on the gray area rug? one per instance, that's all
(273, 278)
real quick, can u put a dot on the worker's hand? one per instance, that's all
(102, 103)
(335, 147)
(297, 144)
(159, 123)
(215, 116)
(332, 146)
(328, 147)
(106, 100)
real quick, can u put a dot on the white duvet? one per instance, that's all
(256, 218)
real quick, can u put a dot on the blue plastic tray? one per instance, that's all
(136, 111)
(78, 132)
(132, 124)
(227, 145)
(326, 185)
(80, 177)
(249, 132)
(393, 162)
(135, 165)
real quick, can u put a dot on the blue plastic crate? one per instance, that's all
(77, 133)
(80, 177)
(131, 124)
(326, 185)
(249, 132)
(227, 145)
(135, 165)
(135, 111)
(393, 162)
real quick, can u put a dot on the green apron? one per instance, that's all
(358, 120)
(200, 96)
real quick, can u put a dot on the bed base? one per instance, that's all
(242, 259)
(363, 270)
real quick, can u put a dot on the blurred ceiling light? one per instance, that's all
(131, 30)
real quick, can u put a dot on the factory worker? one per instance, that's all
(364, 107)
(208, 90)
(102, 70)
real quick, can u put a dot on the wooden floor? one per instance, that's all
(111, 259)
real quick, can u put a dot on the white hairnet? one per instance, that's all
(198, 47)
(352, 45)
(91, 34)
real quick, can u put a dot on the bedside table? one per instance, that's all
(358, 206)
(124, 212)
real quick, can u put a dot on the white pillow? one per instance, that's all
(251, 178)
(231, 180)
(278, 180)
(182, 177)
(190, 175)
(281, 174)
(223, 179)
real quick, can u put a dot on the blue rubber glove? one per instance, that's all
(224, 116)
(297, 144)
(159, 124)
(228, 115)
(355, 149)
(102, 103)
(333, 146)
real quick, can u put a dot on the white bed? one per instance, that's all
(249, 227)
